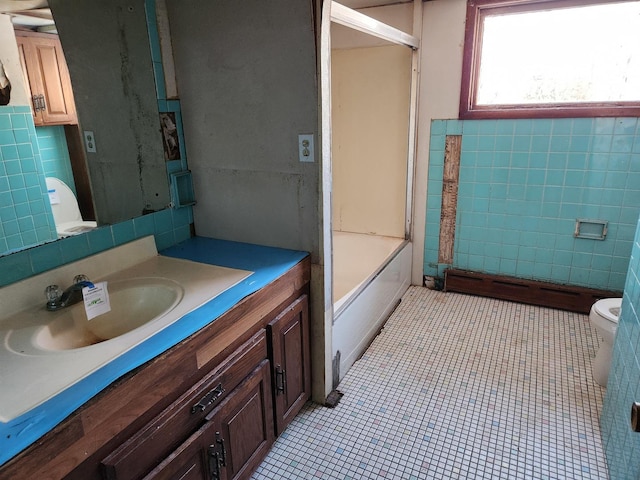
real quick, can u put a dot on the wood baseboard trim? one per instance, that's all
(544, 294)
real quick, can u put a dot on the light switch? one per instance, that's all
(305, 148)
(89, 141)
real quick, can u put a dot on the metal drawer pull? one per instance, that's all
(220, 441)
(281, 380)
(214, 462)
(208, 399)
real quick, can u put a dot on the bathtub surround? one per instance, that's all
(523, 184)
(623, 388)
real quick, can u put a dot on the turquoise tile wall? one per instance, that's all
(169, 227)
(25, 212)
(55, 154)
(621, 444)
(18, 135)
(523, 184)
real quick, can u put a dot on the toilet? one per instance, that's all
(604, 317)
(66, 213)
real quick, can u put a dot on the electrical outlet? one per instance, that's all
(305, 148)
(89, 141)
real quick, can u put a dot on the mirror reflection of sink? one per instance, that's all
(134, 303)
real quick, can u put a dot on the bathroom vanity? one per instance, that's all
(211, 405)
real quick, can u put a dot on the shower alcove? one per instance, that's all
(371, 93)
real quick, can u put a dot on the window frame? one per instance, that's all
(476, 11)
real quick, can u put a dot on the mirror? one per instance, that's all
(106, 46)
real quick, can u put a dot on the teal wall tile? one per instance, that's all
(41, 152)
(22, 176)
(100, 239)
(620, 442)
(123, 232)
(538, 176)
(52, 145)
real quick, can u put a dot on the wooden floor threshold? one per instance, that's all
(565, 297)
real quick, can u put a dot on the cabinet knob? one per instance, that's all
(635, 417)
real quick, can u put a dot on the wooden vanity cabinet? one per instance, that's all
(48, 80)
(161, 436)
(204, 409)
(291, 363)
(233, 441)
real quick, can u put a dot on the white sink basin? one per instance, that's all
(42, 353)
(134, 302)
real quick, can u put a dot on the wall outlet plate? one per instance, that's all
(305, 148)
(89, 141)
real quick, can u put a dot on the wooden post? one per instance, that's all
(449, 198)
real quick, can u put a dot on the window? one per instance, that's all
(551, 58)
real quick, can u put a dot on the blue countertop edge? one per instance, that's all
(267, 263)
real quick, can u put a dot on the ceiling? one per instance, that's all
(369, 3)
(35, 14)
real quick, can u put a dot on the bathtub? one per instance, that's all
(370, 274)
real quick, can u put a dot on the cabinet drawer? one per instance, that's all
(145, 449)
(233, 441)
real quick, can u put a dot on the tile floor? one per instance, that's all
(457, 386)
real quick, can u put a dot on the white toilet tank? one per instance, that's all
(66, 212)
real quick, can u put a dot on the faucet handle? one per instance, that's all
(53, 294)
(80, 278)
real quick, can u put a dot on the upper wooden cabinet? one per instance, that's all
(48, 81)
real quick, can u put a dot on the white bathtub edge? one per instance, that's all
(359, 322)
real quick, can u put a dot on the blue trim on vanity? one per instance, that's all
(267, 263)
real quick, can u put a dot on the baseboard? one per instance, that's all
(565, 297)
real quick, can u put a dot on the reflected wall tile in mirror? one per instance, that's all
(168, 226)
(26, 220)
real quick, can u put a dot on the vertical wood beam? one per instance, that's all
(450, 177)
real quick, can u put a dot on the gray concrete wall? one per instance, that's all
(246, 75)
(107, 50)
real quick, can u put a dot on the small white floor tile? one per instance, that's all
(457, 386)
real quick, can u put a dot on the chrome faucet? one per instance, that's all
(57, 300)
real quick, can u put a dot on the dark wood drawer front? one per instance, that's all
(232, 443)
(148, 447)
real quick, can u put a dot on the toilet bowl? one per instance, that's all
(66, 213)
(604, 318)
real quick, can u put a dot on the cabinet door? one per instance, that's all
(49, 80)
(290, 349)
(162, 435)
(233, 442)
(244, 426)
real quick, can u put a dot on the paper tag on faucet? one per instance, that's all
(96, 300)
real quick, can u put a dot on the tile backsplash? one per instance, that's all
(25, 212)
(169, 226)
(621, 444)
(522, 186)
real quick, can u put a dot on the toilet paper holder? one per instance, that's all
(635, 417)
